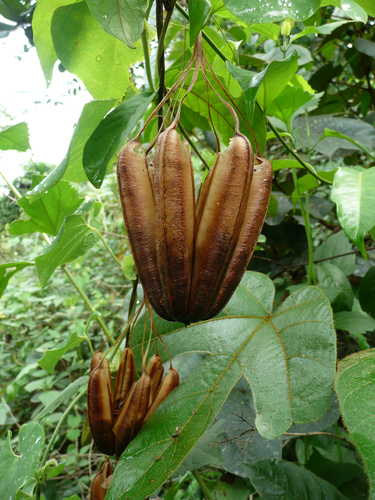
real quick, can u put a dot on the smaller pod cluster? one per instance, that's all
(116, 413)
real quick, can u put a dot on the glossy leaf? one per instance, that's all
(71, 168)
(17, 470)
(272, 11)
(271, 350)
(128, 267)
(49, 211)
(198, 12)
(64, 396)
(8, 270)
(264, 86)
(365, 47)
(123, 19)
(42, 34)
(53, 356)
(76, 236)
(356, 390)
(288, 103)
(101, 61)
(281, 480)
(15, 137)
(110, 134)
(366, 293)
(367, 6)
(353, 193)
(337, 244)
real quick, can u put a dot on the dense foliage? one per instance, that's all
(277, 391)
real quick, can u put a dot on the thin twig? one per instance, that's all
(299, 434)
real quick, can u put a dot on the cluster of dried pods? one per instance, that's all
(191, 254)
(116, 416)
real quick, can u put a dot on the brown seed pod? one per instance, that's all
(125, 378)
(174, 221)
(96, 359)
(101, 482)
(221, 210)
(169, 382)
(155, 370)
(138, 208)
(130, 419)
(99, 408)
(256, 212)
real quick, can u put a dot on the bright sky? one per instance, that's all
(50, 113)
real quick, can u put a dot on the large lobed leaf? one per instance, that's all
(288, 358)
(355, 386)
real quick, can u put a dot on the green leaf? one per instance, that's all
(337, 244)
(53, 356)
(71, 168)
(15, 137)
(287, 357)
(101, 61)
(353, 192)
(281, 480)
(18, 470)
(128, 267)
(354, 322)
(76, 236)
(273, 10)
(123, 19)
(64, 396)
(110, 133)
(8, 270)
(272, 207)
(355, 386)
(368, 6)
(365, 47)
(198, 12)
(42, 34)
(48, 212)
(288, 102)
(267, 85)
(366, 291)
(336, 286)
(332, 133)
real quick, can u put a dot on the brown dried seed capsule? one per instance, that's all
(221, 210)
(138, 208)
(99, 408)
(130, 419)
(174, 221)
(101, 482)
(125, 378)
(155, 370)
(169, 382)
(96, 359)
(256, 212)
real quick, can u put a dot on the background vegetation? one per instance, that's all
(257, 414)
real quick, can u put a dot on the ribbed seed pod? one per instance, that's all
(256, 212)
(125, 378)
(155, 370)
(174, 221)
(101, 482)
(100, 406)
(221, 210)
(169, 382)
(138, 208)
(130, 419)
(96, 359)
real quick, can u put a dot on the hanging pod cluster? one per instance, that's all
(191, 254)
(117, 415)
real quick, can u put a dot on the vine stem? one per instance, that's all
(147, 62)
(164, 31)
(67, 273)
(302, 434)
(53, 437)
(203, 485)
(105, 244)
